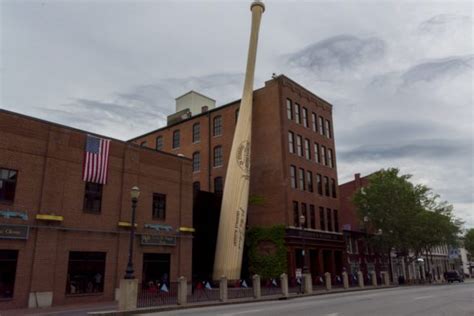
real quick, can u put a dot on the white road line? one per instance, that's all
(243, 312)
(423, 297)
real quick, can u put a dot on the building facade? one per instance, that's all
(293, 166)
(63, 240)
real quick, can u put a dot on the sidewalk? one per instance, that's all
(81, 309)
(318, 292)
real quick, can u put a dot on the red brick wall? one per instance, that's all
(49, 159)
(270, 159)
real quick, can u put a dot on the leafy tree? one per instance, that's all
(405, 217)
(469, 242)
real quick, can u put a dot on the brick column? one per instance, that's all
(307, 284)
(345, 280)
(373, 276)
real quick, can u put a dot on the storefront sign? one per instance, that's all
(158, 240)
(14, 232)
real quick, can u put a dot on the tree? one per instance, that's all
(409, 218)
(469, 242)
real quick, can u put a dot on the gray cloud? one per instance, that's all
(339, 53)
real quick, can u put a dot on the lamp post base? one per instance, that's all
(128, 294)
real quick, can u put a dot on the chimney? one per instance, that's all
(204, 109)
(357, 176)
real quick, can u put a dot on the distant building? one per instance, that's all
(293, 166)
(66, 241)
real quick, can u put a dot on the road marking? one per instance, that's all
(243, 312)
(423, 297)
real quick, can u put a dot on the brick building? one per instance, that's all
(293, 165)
(360, 255)
(65, 241)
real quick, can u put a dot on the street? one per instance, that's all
(451, 299)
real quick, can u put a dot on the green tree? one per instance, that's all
(406, 217)
(469, 242)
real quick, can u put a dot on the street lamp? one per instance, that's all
(134, 194)
(302, 224)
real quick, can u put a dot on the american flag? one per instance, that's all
(96, 160)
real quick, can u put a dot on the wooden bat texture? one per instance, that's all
(231, 235)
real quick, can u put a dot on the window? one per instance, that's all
(196, 187)
(326, 186)
(217, 126)
(7, 185)
(8, 263)
(289, 109)
(315, 123)
(328, 129)
(319, 183)
(330, 160)
(159, 206)
(293, 177)
(218, 185)
(322, 222)
(329, 219)
(143, 144)
(218, 156)
(333, 188)
(321, 125)
(176, 139)
(296, 215)
(309, 180)
(93, 197)
(336, 222)
(291, 142)
(312, 217)
(301, 179)
(196, 133)
(307, 150)
(303, 212)
(86, 272)
(323, 155)
(196, 161)
(305, 117)
(297, 113)
(237, 115)
(159, 143)
(299, 149)
(316, 153)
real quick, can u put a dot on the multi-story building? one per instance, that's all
(293, 165)
(66, 241)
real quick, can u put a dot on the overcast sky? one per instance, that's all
(398, 73)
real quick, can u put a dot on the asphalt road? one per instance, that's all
(451, 299)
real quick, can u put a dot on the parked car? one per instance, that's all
(452, 276)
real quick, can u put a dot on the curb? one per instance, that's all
(144, 310)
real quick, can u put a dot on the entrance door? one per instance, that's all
(156, 268)
(8, 260)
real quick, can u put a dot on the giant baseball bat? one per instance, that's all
(230, 239)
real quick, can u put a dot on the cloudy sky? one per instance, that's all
(399, 73)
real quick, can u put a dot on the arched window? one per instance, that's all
(176, 136)
(218, 185)
(218, 159)
(196, 161)
(217, 126)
